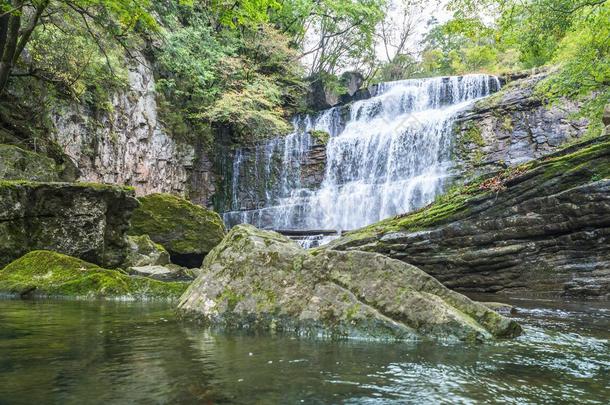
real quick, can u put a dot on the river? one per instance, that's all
(73, 352)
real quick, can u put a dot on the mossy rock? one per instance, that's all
(84, 220)
(20, 164)
(50, 274)
(144, 252)
(259, 279)
(186, 230)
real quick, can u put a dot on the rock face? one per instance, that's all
(127, 145)
(187, 231)
(144, 252)
(262, 280)
(86, 221)
(542, 227)
(512, 127)
(19, 164)
(48, 274)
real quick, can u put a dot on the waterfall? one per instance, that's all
(386, 155)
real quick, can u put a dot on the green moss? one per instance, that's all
(46, 273)
(177, 224)
(321, 137)
(17, 163)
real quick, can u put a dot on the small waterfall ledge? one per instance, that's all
(386, 155)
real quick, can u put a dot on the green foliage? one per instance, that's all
(244, 79)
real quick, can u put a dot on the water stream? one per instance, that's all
(386, 155)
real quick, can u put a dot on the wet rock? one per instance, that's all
(168, 272)
(542, 227)
(144, 252)
(499, 307)
(262, 280)
(187, 231)
(88, 221)
(513, 126)
(43, 273)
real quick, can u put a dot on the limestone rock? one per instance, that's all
(50, 274)
(19, 164)
(187, 231)
(262, 280)
(542, 227)
(88, 221)
(145, 252)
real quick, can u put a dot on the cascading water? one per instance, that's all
(386, 155)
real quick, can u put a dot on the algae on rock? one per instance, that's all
(49, 274)
(186, 230)
(260, 279)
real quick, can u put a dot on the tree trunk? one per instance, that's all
(8, 54)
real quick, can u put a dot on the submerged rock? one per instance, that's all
(88, 221)
(186, 230)
(49, 274)
(262, 280)
(542, 227)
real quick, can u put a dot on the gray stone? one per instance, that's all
(262, 280)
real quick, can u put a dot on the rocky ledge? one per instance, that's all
(541, 227)
(260, 280)
(87, 221)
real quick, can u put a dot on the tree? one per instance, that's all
(20, 19)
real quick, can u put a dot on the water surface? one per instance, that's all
(100, 352)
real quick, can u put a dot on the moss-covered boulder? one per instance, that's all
(144, 252)
(186, 230)
(262, 280)
(19, 164)
(88, 221)
(48, 274)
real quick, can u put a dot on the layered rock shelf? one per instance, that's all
(542, 227)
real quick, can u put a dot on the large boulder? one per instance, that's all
(19, 164)
(262, 280)
(186, 230)
(542, 227)
(44, 273)
(88, 221)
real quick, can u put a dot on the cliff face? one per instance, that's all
(127, 145)
(542, 227)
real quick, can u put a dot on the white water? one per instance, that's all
(390, 156)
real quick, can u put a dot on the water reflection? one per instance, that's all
(74, 352)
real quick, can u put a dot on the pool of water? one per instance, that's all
(112, 352)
